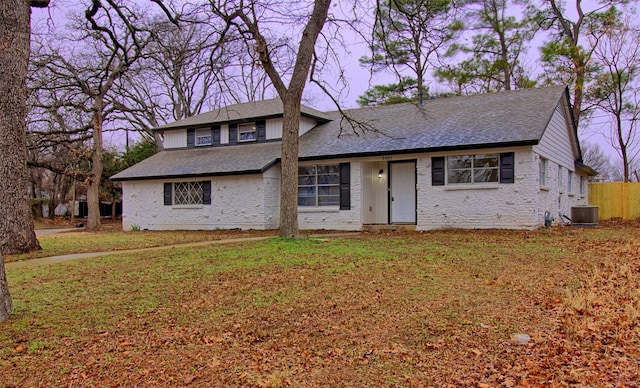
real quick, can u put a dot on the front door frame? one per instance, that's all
(415, 191)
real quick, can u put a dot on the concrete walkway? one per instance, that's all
(75, 256)
(42, 232)
(60, 259)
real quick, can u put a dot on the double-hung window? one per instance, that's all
(560, 179)
(482, 168)
(319, 185)
(203, 137)
(544, 163)
(570, 182)
(247, 132)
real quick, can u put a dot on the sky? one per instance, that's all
(359, 78)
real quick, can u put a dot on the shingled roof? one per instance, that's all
(242, 112)
(479, 121)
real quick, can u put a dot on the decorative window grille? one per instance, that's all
(187, 193)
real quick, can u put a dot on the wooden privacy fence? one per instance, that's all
(615, 199)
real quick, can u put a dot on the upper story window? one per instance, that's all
(319, 185)
(203, 137)
(472, 168)
(247, 132)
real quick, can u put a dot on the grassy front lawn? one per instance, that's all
(112, 239)
(409, 309)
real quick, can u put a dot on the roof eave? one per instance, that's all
(519, 143)
(583, 169)
(199, 175)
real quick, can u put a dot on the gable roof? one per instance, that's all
(479, 121)
(242, 112)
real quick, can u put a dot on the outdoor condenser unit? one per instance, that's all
(584, 215)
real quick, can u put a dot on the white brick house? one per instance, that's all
(497, 160)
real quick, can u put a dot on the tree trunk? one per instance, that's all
(578, 90)
(289, 165)
(5, 298)
(16, 222)
(113, 205)
(93, 189)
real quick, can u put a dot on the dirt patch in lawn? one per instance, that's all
(379, 309)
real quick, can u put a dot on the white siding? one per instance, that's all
(556, 142)
(306, 124)
(175, 139)
(375, 206)
(224, 134)
(274, 128)
(557, 147)
(554, 196)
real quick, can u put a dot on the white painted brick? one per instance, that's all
(253, 202)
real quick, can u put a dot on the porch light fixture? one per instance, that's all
(380, 173)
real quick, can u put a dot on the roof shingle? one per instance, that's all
(498, 119)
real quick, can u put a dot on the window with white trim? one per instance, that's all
(203, 137)
(544, 165)
(482, 168)
(560, 179)
(247, 132)
(319, 185)
(570, 182)
(187, 193)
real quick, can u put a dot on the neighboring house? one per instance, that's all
(497, 160)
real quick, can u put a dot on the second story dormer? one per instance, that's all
(246, 123)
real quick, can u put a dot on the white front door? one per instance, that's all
(402, 192)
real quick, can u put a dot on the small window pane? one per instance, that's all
(203, 137)
(482, 161)
(307, 170)
(332, 169)
(306, 180)
(457, 162)
(247, 132)
(485, 175)
(459, 176)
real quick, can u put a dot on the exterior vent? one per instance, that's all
(584, 216)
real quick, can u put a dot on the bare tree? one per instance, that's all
(184, 72)
(82, 67)
(16, 223)
(594, 157)
(616, 89)
(247, 18)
